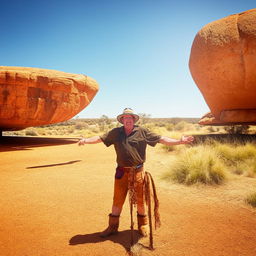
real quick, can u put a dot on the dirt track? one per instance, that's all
(55, 198)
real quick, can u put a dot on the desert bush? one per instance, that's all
(168, 148)
(248, 168)
(144, 118)
(174, 149)
(238, 158)
(180, 126)
(14, 133)
(41, 131)
(81, 125)
(149, 126)
(31, 133)
(111, 125)
(161, 124)
(237, 129)
(70, 130)
(158, 130)
(231, 154)
(199, 164)
(175, 135)
(169, 127)
(211, 129)
(252, 129)
(251, 199)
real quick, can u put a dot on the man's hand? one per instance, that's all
(187, 139)
(81, 142)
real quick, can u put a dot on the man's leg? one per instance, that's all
(113, 224)
(141, 209)
(139, 176)
(120, 192)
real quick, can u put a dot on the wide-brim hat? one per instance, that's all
(127, 111)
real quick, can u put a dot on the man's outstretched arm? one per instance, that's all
(171, 142)
(92, 140)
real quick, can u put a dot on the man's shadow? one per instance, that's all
(123, 238)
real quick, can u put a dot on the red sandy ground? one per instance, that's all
(55, 198)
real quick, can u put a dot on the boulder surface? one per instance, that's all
(34, 96)
(222, 64)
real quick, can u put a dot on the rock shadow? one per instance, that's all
(52, 165)
(14, 143)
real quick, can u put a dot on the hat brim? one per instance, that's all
(119, 117)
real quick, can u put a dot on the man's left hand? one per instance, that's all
(187, 139)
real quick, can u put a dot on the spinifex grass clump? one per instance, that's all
(199, 164)
(232, 153)
(241, 159)
(251, 199)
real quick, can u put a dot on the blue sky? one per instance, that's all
(137, 50)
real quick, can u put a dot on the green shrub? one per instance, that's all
(199, 164)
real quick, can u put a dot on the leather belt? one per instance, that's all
(136, 167)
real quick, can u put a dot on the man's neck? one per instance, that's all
(128, 130)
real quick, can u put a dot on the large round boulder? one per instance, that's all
(34, 97)
(222, 63)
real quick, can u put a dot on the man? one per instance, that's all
(130, 143)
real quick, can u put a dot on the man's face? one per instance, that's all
(128, 121)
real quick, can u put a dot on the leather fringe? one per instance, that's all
(148, 193)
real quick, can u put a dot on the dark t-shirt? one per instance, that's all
(131, 149)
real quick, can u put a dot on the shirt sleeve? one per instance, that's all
(151, 138)
(109, 137)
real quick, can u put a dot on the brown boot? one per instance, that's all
(112, 228)
(143, 225)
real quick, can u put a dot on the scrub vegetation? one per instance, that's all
(200, 164)
(251, 199)
(174, 127)
(217, 153)
(212, 163)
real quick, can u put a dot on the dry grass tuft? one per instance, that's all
(199, 164)
(211, 161)
(239, 158)
(251, 199)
